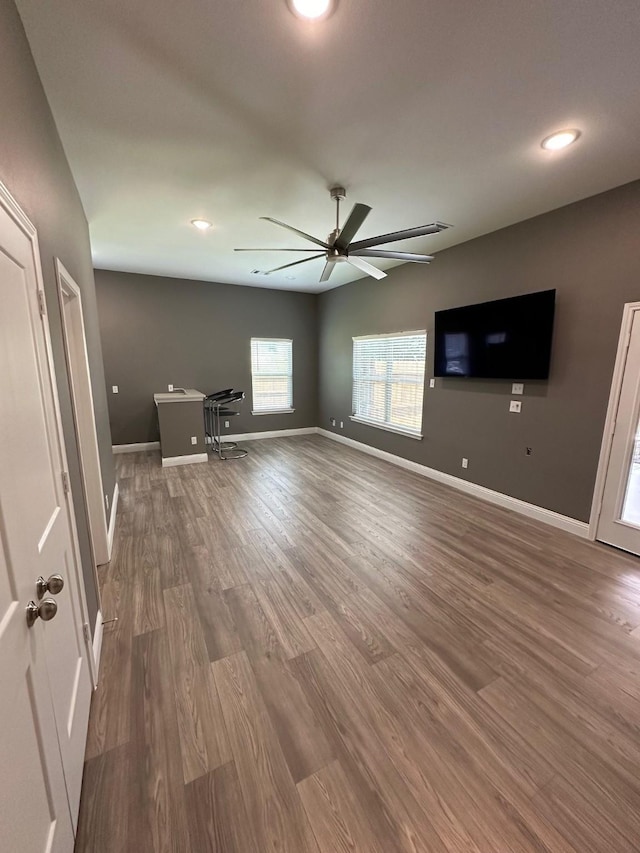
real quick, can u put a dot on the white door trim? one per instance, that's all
(75, 347)
(612, 409)
(112, 518)
(24, 223)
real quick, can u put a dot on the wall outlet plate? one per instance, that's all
(465, 462)
(226, 424)
(332, 421)
(114, 389)
(432, 383)
(341, 424)
(517, 388)
(515, 406)
(194, 439)
(170, 387)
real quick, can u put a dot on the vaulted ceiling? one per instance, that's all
(234, 109)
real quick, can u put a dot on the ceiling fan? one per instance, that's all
(340, 247)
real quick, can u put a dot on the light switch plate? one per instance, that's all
(515, 406)
(517, 388)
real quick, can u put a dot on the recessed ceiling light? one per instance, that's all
(312, 10)
(560, 140)
(201, 224)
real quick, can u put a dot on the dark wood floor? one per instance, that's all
(316, 651)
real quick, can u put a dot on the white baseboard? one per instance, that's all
(547, 516)
(112, 519)
(276, 433)
(245, 436)
(97, 647)
(190, 459)
(135, 448)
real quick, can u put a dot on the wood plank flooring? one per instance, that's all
(317, 652)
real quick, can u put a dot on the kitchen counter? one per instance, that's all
(180, 395)
(181, 426)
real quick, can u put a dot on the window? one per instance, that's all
(388, 381)
(272, 375)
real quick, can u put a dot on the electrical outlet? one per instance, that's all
(114, 389)
(194, 439)
(465, 462)
(341, 424)
(515, 406)
(170, 387)
(528, 451)
(332, 421)
(432, 383)
(517, 388)
(106, 500)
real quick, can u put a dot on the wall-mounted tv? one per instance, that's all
(504, 339)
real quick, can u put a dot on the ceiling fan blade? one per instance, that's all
(352, 225)
(275, 250)
(294, 264)
(421, 231)
(295, 231)
(396, 256)
(374, 272)
(326, 272)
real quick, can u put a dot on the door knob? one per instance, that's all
(54, 584)
(46, 610)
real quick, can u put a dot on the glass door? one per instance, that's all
(619, 522)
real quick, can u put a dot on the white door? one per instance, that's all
(619, 522)
(75, 345)
(45, 684)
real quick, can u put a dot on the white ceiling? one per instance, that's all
(234, 109)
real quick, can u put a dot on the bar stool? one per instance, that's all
(215, 409)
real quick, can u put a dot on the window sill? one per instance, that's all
(273, 412)
(396, 430)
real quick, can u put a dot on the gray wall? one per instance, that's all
(34, 168)
(590, 252)
(157, 331)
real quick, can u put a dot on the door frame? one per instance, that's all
(79, 373)
(628, 315)
(14, 210)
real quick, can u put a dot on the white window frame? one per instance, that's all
(285, 410)
(388, 427)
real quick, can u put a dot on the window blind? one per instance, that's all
(388, 380)
(272, 374)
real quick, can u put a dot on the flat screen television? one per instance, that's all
(504, 339)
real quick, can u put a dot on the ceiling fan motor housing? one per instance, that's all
(338, 193)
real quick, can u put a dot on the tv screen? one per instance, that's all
(504, 339)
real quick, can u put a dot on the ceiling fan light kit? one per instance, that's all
(340, 247)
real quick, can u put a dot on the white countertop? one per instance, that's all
(180, 395)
